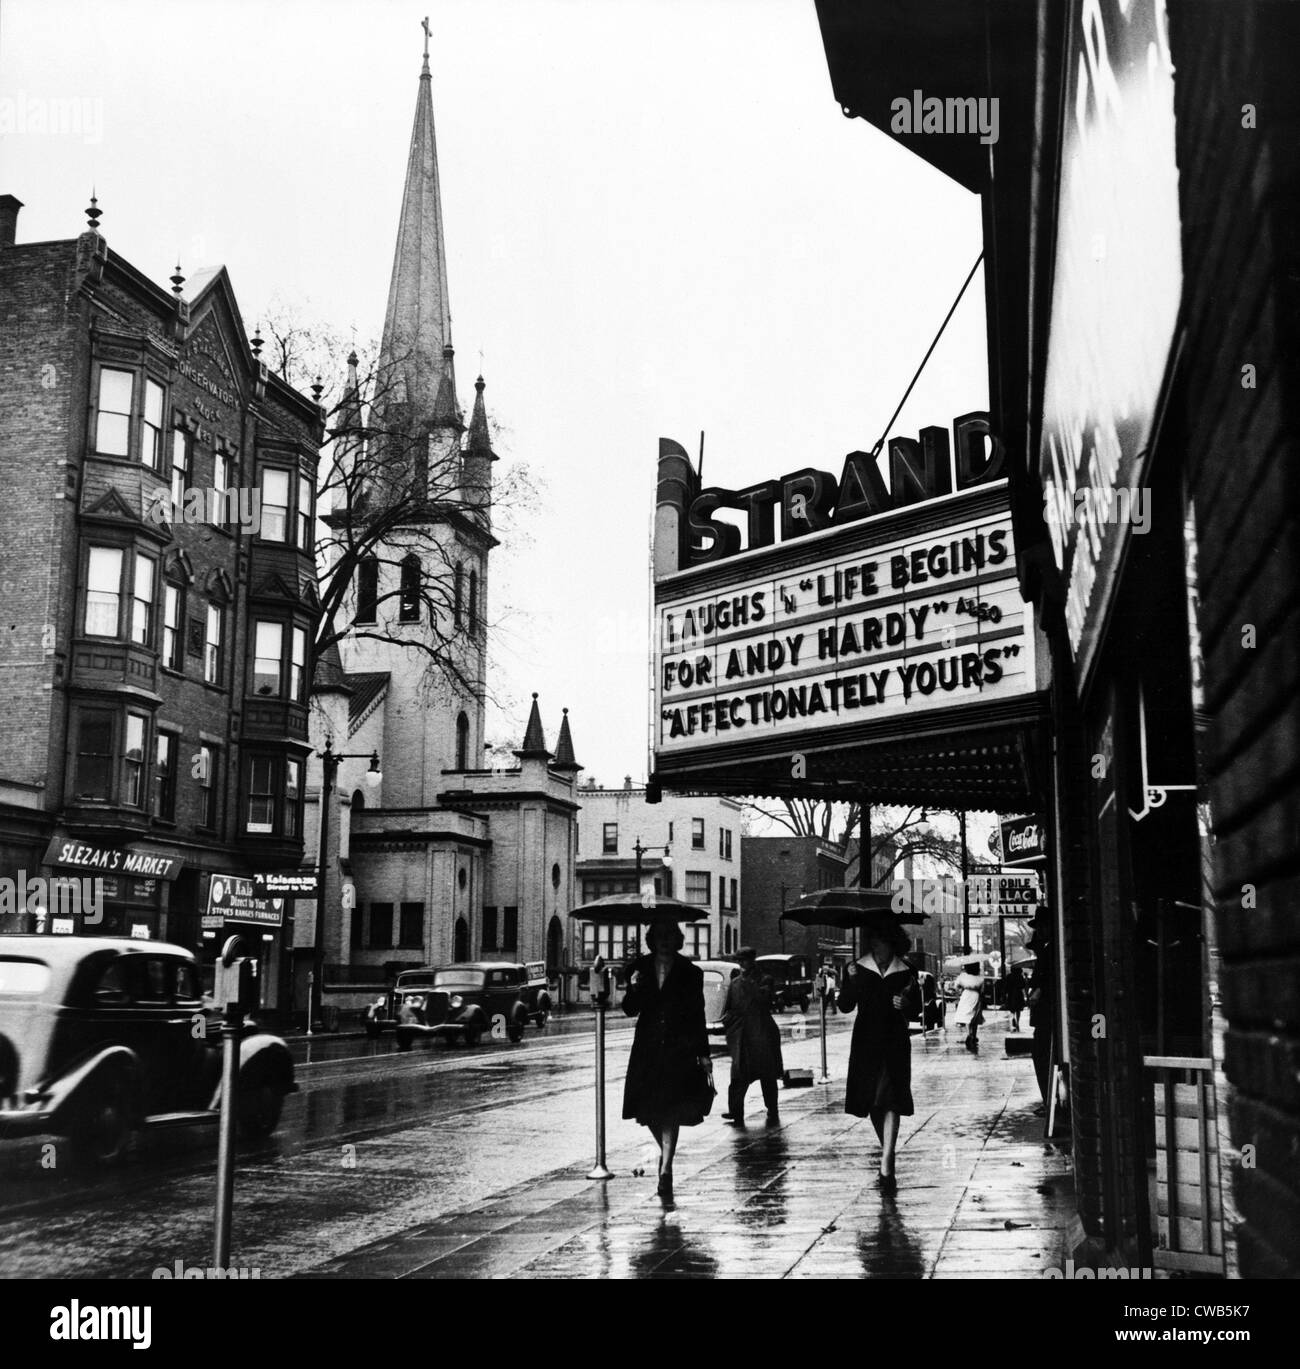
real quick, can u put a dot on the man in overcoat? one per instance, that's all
(754, 1038)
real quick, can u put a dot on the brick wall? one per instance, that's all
(1240, 191)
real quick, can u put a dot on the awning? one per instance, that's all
(137, 859)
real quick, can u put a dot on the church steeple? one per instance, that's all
(415, 357)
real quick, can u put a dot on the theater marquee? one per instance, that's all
(849, 631)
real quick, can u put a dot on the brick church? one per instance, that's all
(432, 858)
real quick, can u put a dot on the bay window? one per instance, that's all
(93, 777)
(275, 505)
(298, 666)
(151, 437)
(292, 796)
(261, 795)
(305, 539)
(133, 761)
(113, 418)
(269, 645)
(104, 591)
(142, 601)
(274, 796)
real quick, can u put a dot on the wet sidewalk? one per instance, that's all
(980, 1193)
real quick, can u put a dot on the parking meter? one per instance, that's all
(236, 987)
(600, 983)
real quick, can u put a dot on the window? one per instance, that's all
(292, 797)
(212, 645)
(180, 467)
(357, 935)
(133, 761)
(462, 742)
(151, 439)
(305, 539)
(698, 887)
(269, 639)
(699, 941)
(173, 611)
(381, 926)
(207, 778)
(458, 595)
(735, 895)
(220, 478)
(164, 776)
(670, 834)
(510, 929)
(275, 505)
(261, 795)
(410, 927)
(103, 591)
(724, 843)
(142, 601)
(609, 844)
(490, 929)
(298, 666)
(113, 422)
(473, 601)
(697, 834)
(94, 777)
(367, 589)
(409, 598)
(614, 943)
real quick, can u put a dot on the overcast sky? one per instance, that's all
(657, 220)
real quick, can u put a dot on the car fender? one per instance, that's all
(64, 1093)
(269, 1053)
(519, 1012)
(473, 1015)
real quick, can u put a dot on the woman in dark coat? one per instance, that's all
(1015, 995)
(669, 1072)
(883, 988)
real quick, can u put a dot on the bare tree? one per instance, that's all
(395, 512)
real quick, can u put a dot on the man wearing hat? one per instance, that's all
(754, 1039)
(1042, 1005)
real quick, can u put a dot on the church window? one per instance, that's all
(367, 590)
(458, 594)
(473, 601)
(462, 742)
(409, 601)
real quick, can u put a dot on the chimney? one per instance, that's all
(9, 207)
(627, 781)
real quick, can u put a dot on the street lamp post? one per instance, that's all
(330, 765)
(640, 851)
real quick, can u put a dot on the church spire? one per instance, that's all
(415, 358)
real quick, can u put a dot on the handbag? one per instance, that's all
(707, 1091)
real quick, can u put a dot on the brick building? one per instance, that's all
(777, 871)
(691, 850)
(158, 596)
(1148, 155)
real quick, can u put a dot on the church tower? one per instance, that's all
(430, 579)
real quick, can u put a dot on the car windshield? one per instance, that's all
(23, 976)
(410, 979)
(459, 979)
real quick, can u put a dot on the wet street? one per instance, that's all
(447, 1162)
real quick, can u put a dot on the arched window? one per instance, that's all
(409, 611)
(458, 599)
(358, 800)
(460, 944)
(473, 601)
(367, 589)
(462, 742)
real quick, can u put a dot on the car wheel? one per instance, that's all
(515, 1031)
(542, 1018)
(803, 1006)
(260, 1102)
(101, 1131)
(472, 1035)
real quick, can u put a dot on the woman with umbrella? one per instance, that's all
(883, 988)
(669, 1081)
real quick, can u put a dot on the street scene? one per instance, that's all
(763, 744)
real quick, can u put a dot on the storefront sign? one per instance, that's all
(63, 926)
(1003, 895)
(1023, 840)
(285, 886)
(1116, 291)
(143, 862)
(913, 624)
(140, 931)
(232, 898)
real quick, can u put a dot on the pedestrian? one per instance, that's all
(669, 1081)
(754, 1039)
(1042, 1009)
(883, 989)
(970, 1007)
(1015, 995)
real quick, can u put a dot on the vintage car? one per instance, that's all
(792, 976)
(409, 992)
(100, 1036)
(464, 1002)
(717, 976)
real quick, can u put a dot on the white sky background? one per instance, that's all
(657, 221)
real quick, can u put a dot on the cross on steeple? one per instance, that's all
(424, 24)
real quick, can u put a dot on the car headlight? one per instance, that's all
(456, 1000)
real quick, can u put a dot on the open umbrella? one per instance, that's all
(851, 907)
(631, 910)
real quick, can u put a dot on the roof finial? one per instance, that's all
(424, 24)
(317, 389)
(93, 212)
(256, 342)
(177, 280)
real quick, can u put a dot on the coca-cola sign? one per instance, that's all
(1023, 840)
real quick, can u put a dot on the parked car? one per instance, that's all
(101, 1036)
(792, 977)
(463, 1002)
(718, 975)
(536, 992)
(381, 1015)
